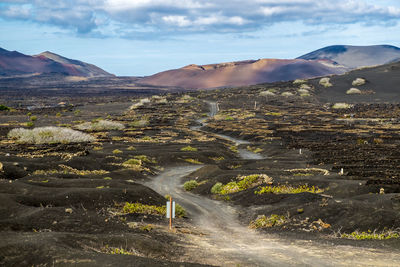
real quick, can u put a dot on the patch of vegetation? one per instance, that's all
(145, 159)
(69, 170)
(254, 149)
(190, 185)
(117, 251)
(342, 106)
(229, 118)
(234, 149)
(49, 135)
(277, 114)
(132, 162)
(58, 114)
(288, 189)
(287, 94)
(100, 125)
(117, 151)
(131, 148)
(325, 82)
(267, 93)
(151, 209)
(299, 81)
(358, 82)
(97, 148)
(30, 124)
(243, 183)
(271, 221)
(353, 91)
(143, 209)
(193, 161)
(369, 235)
(3, 107)
(139, 123)
(217, 188)
(217, 158)
(189, 148)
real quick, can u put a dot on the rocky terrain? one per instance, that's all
(287, 174)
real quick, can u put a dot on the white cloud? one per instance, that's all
(182, 16)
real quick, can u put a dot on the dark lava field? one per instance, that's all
(285, 174)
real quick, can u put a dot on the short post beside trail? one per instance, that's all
(170, 211)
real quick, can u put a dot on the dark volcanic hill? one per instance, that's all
(15, 63)
(243, 73)
(381, 85)
(356, 56)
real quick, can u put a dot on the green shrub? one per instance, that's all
(271, 221)
(33, 118)
(133, 162)
(369, 235)
(47, 135)
(299, 81)
(288, 189)
(3, 107)
(189, 148)
(190, 185)
(30, 124)
(325, 82)
(117, 151)
(342, 106)
(358, 82)
(217, 188)
(244, 182)
(353, 91)
(145, 158)
(144, 209)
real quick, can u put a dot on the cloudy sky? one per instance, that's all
(142, 37)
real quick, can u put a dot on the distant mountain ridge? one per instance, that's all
(14, 63)
(354, 57)
(336, 59)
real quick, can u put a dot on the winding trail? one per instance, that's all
(228, 243)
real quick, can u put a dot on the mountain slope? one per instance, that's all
(88, 70)
(242, 73)
(15, 63)
(356, 56)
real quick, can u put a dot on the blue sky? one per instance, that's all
(142, 37)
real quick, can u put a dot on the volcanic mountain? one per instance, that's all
(330, 60)
(354, 57)
(243, 73)
(15, 63)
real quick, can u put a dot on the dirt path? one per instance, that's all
(228, 243)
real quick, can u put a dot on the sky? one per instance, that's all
(143, 37)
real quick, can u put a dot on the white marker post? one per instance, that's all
(170, 211)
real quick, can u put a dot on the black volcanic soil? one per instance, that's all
(62, 202)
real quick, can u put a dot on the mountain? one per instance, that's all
(243, 73)
(354, 57)
(88, 70)
(15, 63)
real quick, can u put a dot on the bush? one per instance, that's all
(189, 148)
(217, 188)
(30, 124)
(117, 151)
(267, 93)
(271, 221)
(288, 189)
(299, 81)
(341, 106)
(48, 135)
(100, 125)
(358, 82)
(353, 91)
(325, 82)
(2, 107)
(33, 118)
(190, 185)
(287, 94)
(245, 182)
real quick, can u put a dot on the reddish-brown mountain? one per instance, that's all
(243, 73)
